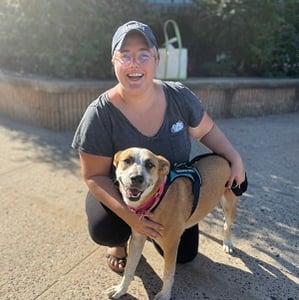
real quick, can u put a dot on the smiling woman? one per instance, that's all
(134, 57)
(140, 111)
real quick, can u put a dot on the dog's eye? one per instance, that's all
(149, 165)
(128, 161)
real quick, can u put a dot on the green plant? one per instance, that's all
(62, 38)
(242, 37)
(72, 38)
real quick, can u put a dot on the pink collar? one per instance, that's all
(151, 203)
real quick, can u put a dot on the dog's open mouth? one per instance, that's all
(133, 194)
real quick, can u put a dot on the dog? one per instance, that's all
(140, 174)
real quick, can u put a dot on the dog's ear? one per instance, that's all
(116, 158)
(164, 165)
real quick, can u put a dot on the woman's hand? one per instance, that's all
(145, 226)
(237, 173)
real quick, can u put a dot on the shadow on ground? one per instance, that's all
(52, 147)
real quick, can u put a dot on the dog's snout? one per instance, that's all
(138, 179)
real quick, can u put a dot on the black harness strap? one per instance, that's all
(189, 171)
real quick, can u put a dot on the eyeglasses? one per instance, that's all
(142, 58)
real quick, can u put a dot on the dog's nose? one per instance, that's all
(138, 179)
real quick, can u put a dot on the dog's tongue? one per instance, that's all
(133, 194)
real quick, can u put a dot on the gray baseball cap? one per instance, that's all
(123, 30)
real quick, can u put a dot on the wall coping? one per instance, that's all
(50, 85)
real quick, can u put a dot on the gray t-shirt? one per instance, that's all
(104, 130)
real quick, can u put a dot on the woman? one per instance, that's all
(144, 112)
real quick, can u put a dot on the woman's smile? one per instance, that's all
(135, 76)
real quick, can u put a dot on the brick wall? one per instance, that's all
(59, 104)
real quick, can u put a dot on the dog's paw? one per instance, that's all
(228, 247)
(115, 292)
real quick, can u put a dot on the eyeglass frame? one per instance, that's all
(138, 60)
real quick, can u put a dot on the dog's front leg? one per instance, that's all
(170, 256)
(135, 249)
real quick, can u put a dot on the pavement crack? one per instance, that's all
(65, 274)
(16, 169)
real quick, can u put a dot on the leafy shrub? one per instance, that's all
(62, 38)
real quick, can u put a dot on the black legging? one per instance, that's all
(108, 229)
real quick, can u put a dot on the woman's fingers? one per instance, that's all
(150, 228)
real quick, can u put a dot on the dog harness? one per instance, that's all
(191, 172)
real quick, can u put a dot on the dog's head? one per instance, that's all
(139, 173)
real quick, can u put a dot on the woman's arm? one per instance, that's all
(96, 174)
(213, 138)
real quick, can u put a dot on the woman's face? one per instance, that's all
(135, 64)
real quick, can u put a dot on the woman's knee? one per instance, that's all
(105, 228)
(111, 236)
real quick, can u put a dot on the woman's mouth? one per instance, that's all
(135, 76)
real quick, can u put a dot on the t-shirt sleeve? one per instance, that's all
(93, 134)
(191, 106)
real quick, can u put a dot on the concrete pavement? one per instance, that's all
(46, 252)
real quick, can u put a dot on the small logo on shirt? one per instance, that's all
(176, 127)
